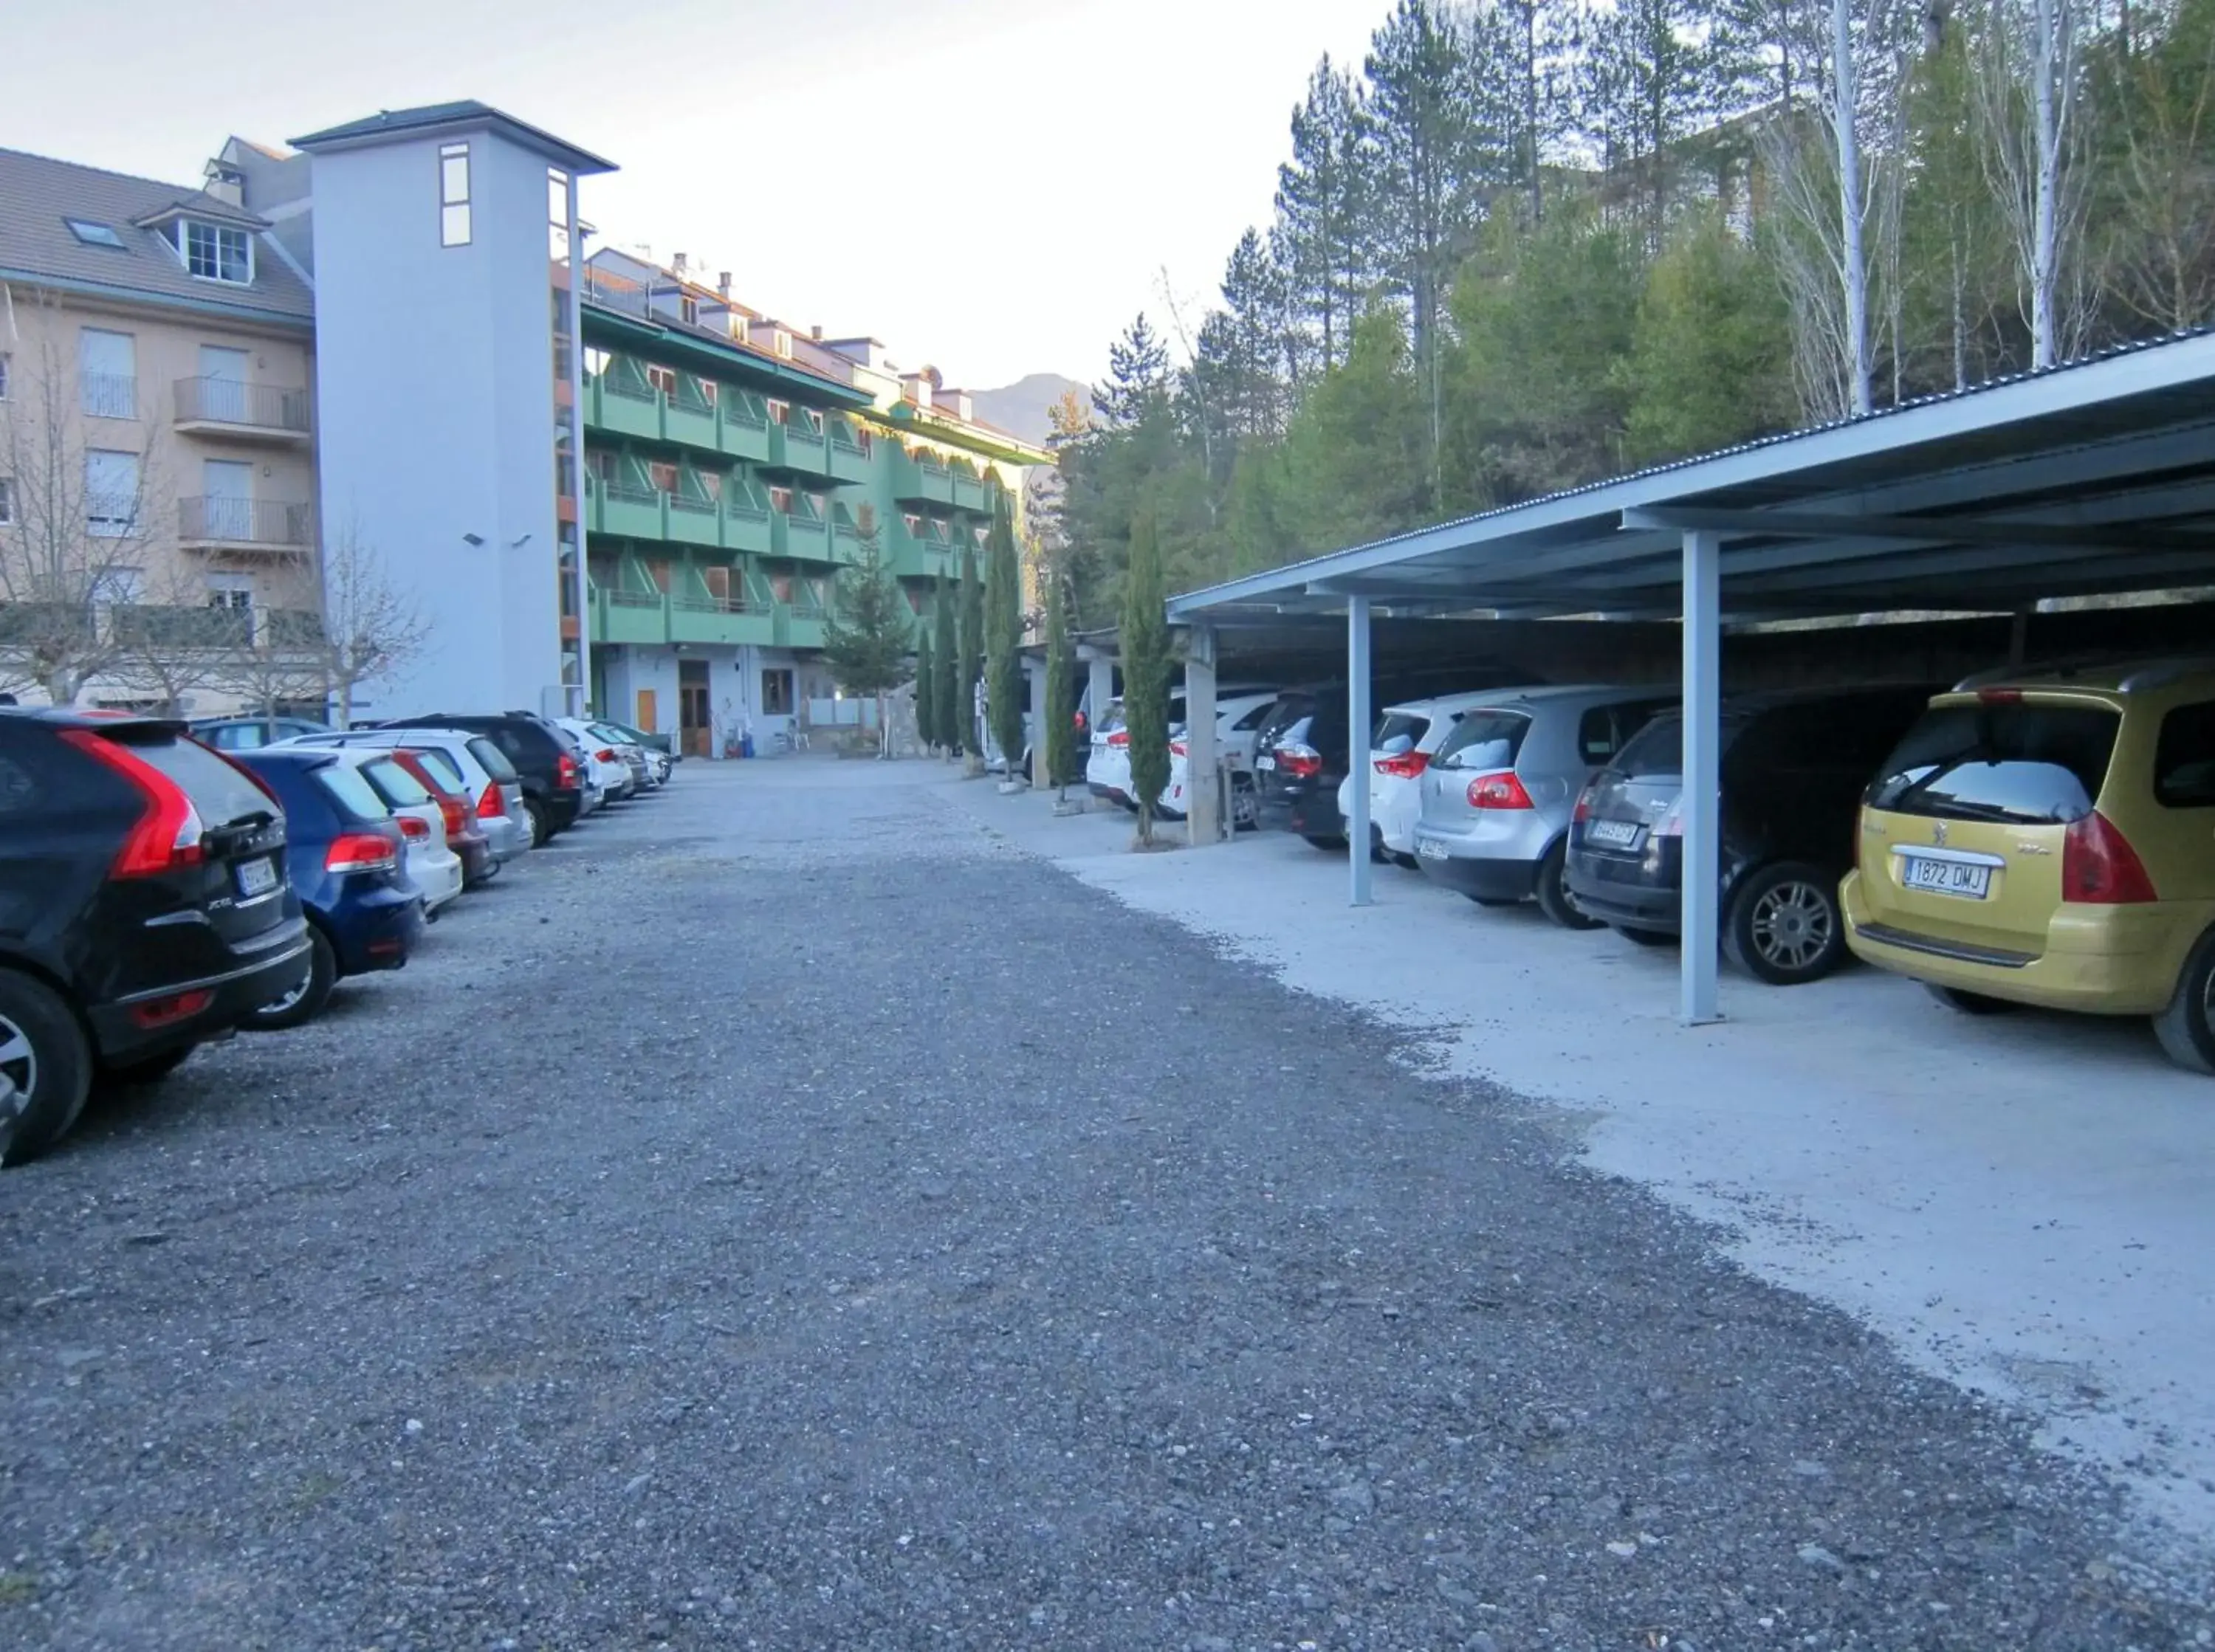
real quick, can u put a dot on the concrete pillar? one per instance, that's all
(1357, 720)
(1203, 803)
(1100, 692)
(1034, 678)
(1703, 797)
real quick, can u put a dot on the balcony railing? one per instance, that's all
(267, 407)
(108, 395)
(147, 626)
(275, 524)
(734, 604)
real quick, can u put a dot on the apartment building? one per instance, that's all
(158, 513)
(734, 463)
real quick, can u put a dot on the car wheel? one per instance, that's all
(1245, 808)
(1963, 1003)
(152, 1070)
(303, 1004)
(1408, 862)
(1644, 937)
(1553, 888)
(541, 825)
(1784, 927)
(1333, 844)
(2187, 1027)
(45, 1067)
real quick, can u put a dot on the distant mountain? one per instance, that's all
(1020, 408)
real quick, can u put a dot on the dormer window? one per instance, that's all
(216, 252)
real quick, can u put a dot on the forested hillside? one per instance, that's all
(1529, 243)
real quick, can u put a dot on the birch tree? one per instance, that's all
(2027, 103)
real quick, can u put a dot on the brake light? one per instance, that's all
(2100, 868)
(1176, 749)
(456, 812)
(1583, 811)
(492, 806)
(167, 835)
(1407, 766)
(1121, 738)
(1673, 823)
(1501, 790)
(1301, 763)
(362, 851)
(1999, 696)
(564, 772)
(411, 827)
(177, 1006)
(604, 756)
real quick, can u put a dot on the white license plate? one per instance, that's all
(255, 876)
(1619, 834)
(1945, 876)
(1430, 848)
(1265, 763)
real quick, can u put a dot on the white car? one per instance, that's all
(431, 865)
(482, 771)
(604, 769)
(1237, 717)
(1408, 737)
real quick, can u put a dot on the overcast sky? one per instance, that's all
(993, 185)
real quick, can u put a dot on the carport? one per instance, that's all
(2097, 479)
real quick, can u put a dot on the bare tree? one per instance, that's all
(2028, 97)
(2162, 114)
(275, 664)
(370, 626)
(78, 520)
(168, 640)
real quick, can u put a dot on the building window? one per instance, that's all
(4, 375)
(776, 692)
(7, 502)
(663, 475)
(780, 500)
(689, 308)
(778, 411)
(814, 419)
(111, 494)
(107, 373)
(453, 194)
(663, 379)
(118, 585)
(218, 252)
(95, 234)
(231, 591)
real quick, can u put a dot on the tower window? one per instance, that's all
(453, 194)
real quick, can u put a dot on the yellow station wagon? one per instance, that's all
(2051, 840)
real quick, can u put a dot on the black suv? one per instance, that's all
(544, 756)
(143, 909)
(1794, 768)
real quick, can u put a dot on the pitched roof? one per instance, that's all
(465, 115)
(38, 195)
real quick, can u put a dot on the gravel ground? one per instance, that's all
(775, 1216)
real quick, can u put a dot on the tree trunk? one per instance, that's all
(1853, 262)
(2045, 275)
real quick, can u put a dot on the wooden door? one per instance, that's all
(695, 722)
(645, 718)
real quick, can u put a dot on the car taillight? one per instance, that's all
(604, 756)
(167, 834)
(564, 772)
(151, 1012)
(2099, 867)
(1119, 739)
(1176, 749)
(1673, 823)
(456, 814)
(413, 829)
(492, 806)
(1502, 790)
(1407, 766)
(362, 851)
(1301, 763)
(1583, 811)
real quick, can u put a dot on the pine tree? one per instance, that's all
(926, 691)
(1710, 362)
(1061, 688)
(1003, 634)
(865, 636)
(1145, 646)
(945, 652)
(970, 662)
(1323, 195)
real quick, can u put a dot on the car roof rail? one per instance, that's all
(2064, 665)
(2164, 673)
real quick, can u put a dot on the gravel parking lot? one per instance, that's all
(777, 1216)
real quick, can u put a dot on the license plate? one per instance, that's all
(1618, 833)
(1430, 848)
(1945, 876)
(255, 876)
(1265, 763)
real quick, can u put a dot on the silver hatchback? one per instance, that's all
(1498, 797)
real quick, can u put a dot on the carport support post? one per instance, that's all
(1203, 813)
(1702, 861)
(1099, 691)
(1356, 746)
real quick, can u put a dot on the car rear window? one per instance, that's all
(2184, 758)
(2020, 762)
(220, 790)
(397, 786)
(1657, 748)
(1255, 718)
(493, 760)
(448, 771)
(1489, 740)
(1399, 732)
(354, 796)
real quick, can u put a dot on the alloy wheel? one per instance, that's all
(19, 1067)
(279, 1005)
(1792, 925)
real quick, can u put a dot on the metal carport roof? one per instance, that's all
(2091, 479)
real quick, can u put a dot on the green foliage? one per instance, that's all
(1355, 464)
(865, 636)
(1146, 649)
(945, 659)
(969, 664)
(926, 691)
(1060, 685)
(1708, 364)
(1003, 633)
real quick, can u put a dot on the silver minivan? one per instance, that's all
(1498, 795)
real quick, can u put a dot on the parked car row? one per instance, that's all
(158, 893)
(2045, 838)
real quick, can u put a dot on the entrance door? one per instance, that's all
(223, 383)
(695, 724)
(229, 486)
(643, 720)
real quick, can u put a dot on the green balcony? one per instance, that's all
(743, 428)
(719, 622)
(852, 460)
(807, 538)
(796, 448)
(630, 616)
(623, 409)
(970, 490)
(918, 556)
(797, 629)
(692, 423)
(920, 481)
(746, 523)
(694, 522)
(628, 511)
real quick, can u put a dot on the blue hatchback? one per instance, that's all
(344, 854)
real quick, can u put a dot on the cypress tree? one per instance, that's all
(943, 723)
(1146, 643)
(1061, 690)
(926, 691)
(1004, 635)
(971, 665)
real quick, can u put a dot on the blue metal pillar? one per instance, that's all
(1356, 745)
(1702, 805)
